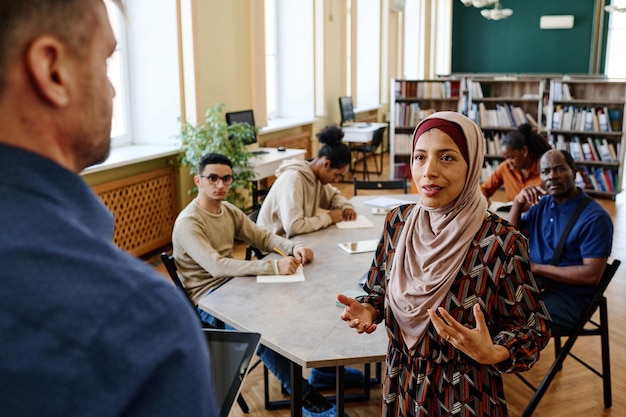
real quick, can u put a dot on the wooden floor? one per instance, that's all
(574, 392)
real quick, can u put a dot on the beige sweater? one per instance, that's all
(203, 247)
(298, 203)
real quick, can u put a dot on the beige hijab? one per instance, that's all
(435, 241)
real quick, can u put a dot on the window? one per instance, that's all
(289, 55)
(413, 42)
(118, 74)
(144, 70)
(366, 67)
(271, 69)
(615, 66)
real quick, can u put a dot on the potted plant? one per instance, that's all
(216, 136)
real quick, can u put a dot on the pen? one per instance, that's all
(278, 251)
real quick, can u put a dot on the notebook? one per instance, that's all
(231, 352)
(361, 222)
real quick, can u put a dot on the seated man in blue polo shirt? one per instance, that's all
(569, 284)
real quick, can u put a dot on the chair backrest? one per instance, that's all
(377, 137)
(170, 266)
(607, 276)
(250, 250)
(399, 184)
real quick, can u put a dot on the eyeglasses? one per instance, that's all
(214, 179)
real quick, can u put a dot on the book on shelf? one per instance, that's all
(603, 149)
(532, 121)
(475, 89)
(588, 155)
(592, 178)
(603, 120)
(452, 88)
(556, 117)
(614, 120)
(493, 144)
(580, 181)
(613, 151)
(584, 173)
(565, 92)
(402, 144)
(588, 126)
(595, 154)
(489, 167)
(608, 179)
(473, 113)
(575, 148)
(568, 117)
(600, 179)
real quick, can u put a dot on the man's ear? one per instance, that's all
(48, 63)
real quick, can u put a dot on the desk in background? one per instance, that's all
(265, 165)
(361, 132)
(301, 321)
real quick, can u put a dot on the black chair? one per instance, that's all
(586, 326)
(380, 185)
(251, 250)
(170, 266)
(368, 149)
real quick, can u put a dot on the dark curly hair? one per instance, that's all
(526, 136)
(333, 148)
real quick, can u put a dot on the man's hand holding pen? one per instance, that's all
(289, 264)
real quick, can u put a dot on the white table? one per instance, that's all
(265, 165)
(301, 321)
(361, 133)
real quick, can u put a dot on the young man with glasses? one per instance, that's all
(203, 240)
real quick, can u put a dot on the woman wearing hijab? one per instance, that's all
(453, 284)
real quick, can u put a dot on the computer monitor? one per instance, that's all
(243, 116)
(347, 109)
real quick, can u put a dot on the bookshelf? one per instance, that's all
(499, 103)
(413, 100)
(586, 118)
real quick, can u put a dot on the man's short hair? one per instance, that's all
(212, 159)
(569, 159)
(21, 21)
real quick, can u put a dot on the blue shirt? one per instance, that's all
(590, 237)
(87, 330)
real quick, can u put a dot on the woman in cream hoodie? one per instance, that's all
(303, 198)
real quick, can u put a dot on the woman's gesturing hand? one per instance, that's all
(358, 316)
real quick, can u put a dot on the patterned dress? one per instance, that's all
(436, 379)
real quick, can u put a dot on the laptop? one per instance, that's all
(231, 352)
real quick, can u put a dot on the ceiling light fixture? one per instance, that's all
(612, 8)
(496, 13)
(478, 3)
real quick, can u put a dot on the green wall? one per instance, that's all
(517, 45)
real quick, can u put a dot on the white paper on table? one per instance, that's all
(386, 202)
(361, 222)
(298, 276)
